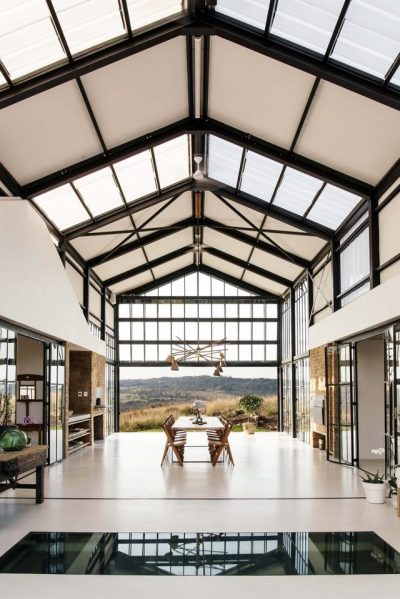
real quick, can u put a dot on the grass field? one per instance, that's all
(151, 419)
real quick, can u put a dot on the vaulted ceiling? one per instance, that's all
(156, 137)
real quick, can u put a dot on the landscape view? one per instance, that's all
(146, 403)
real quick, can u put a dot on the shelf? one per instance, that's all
(75, 418)
(73, 449)
(73, 436)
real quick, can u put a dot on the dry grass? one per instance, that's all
(148, 419)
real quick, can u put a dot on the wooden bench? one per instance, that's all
(15, 463)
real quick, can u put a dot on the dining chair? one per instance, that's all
(218, 442)
(175, 442)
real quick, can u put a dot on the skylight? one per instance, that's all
(2, 80)
(260, 176)
(99, 191)
(63, 207)
(223, 160)
(333, 206)
(369, 40)
(172, 159)
(28, 40)
(252, 12)
(297, 191)
(308, 23)
(396, 78)
(146, 12)
(88, 23)
(136, 176)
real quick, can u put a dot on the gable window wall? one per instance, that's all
(197, 309)
(353, 264)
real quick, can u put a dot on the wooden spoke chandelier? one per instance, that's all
(211, 353)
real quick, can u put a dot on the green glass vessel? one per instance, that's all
(13, 440)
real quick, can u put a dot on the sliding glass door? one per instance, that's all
(55, 380)
(392, 394)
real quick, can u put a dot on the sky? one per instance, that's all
(155, 372)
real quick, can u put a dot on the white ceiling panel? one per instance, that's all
(304, 246)
(123, 224)
(180, 209)
(255, 93)
(351, 133)
(141, 93)
(46, 133)
(132, 282)
(93, 245)
(173, 266)
(121, 264)
(275, 264)
(143, 215)
(226, 244)
(222, 266)
(263, 283)
(218, 211)
(169, 244)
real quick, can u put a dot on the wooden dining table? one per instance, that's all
(186, 423)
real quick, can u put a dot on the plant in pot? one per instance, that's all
(374, 485)
(250, 404)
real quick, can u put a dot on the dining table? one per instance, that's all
(187, 423)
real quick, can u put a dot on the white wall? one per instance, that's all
(373, 309)
(371, 402)
(36, 292)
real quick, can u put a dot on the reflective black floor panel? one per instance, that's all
(202, 554)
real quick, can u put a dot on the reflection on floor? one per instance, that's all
(277, 484)
(202, 554)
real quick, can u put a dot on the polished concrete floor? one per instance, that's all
(277, 484)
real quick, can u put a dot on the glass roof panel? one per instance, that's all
(2, 80)
(308, 23)
(63, 207)
(88, 23)
(136, 176)
(252, 12)
(99, 191)
(146, 12)
(260, 176)
(333, 206)
(296, 191)
(172, 160)
(28, 40)
(369, 39)
(223, 160)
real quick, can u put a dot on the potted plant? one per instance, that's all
(374, 485)
(250, 404)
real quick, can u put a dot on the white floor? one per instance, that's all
(278, 484)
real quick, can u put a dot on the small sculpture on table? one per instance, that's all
(198, 406)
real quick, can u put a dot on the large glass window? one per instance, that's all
(301, 317)
(354, 267)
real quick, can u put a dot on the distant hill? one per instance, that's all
(137, 393)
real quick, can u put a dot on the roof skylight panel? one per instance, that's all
(369, 40)
(172, 160)
(223, 160)
(145, 12)
(395, 80)
(308, 23)
(63, 207)
(260, 176)
(333, 206)
(252, 12)
(89, 23)
(3, 81)
(28, 39)
(296, 191)
(99, 191)
(136, 176)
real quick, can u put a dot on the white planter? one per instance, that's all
(249, 427)
(375, 493)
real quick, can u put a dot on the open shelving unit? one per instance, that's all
(79, 432)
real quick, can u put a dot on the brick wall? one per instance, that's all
(318, 388)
